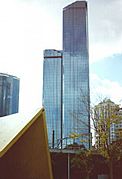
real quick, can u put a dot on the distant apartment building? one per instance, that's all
(9, 94)
(108, 110)
(116, 128)
(66, 79)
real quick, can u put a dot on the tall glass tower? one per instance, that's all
(66, 80)
(76, 71)
(9, 94)
(52, 94)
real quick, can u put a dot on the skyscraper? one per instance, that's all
(66, 79)
(52, 94)
(76, 70)
(9, 94)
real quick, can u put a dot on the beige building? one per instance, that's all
(107, 117)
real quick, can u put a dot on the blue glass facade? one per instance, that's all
(9, 94)
(52, 93)
(76, 71)
(66, 80)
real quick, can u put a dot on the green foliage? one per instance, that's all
(87, 161)
(105, 115)
(116, 150)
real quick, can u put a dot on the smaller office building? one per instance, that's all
(52, 94)
(9, 94)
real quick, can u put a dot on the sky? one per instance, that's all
(27, 27)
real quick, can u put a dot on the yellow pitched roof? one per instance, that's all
(13, 126)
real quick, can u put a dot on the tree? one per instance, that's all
(81, 116)
(103, 116)
(88, 161)
(83, 161)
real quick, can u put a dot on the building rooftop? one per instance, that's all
(77, 4)
(52, 53)
(8, 76)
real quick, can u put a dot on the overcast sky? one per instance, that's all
(27, 27)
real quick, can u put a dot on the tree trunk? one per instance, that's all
(87, 176)
(111, 170)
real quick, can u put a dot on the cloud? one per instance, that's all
(27, 28)
(105, 35)
(101, 88)
(21, 44)
(105, 28)
(44, 18)
(30, 26)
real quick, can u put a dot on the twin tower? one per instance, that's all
(66, 95)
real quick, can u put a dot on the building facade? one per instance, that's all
(76, 71)
(9, 94)
(66, 80)
(106, 112)
(52, 94)
(116, 128)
